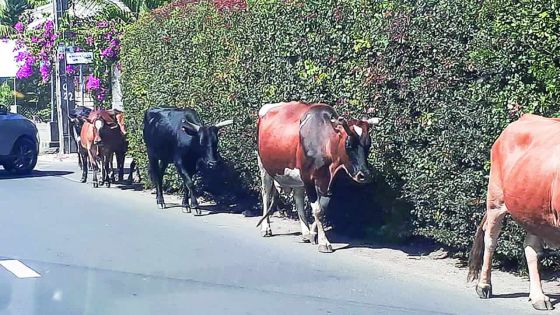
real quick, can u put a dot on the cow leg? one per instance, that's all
(319, 206)
(157, 179)
(84, 158)
(108, 169)
(267, 192)
(492, 227)
(132, 167)
(120, 165)
(188, 188)
(533, 247)
(299, 198)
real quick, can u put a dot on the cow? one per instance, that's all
(301, 147)
(77, 117)
(179, 136)
(101, 137)
(524, 177)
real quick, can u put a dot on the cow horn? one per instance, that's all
(342, 122)
(193, 126)
(224, 123)
(373, 121)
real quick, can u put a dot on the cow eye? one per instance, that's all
(184, 121)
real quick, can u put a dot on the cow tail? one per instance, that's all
(477, 250)
(270, 210)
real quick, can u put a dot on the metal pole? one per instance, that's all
(15, 95)
(82, 84)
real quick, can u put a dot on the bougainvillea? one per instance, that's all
(37, 46)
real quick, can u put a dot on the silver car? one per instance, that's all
(19, 142)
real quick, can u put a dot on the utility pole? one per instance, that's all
(64, 88)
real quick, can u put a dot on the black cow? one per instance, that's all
(179, 136)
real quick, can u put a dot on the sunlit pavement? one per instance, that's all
(112, 251)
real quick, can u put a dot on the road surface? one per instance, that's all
(112, 251)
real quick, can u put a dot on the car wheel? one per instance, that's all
(25, 157)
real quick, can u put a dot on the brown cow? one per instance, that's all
(101, 136)
(301, 147)
(524, 175)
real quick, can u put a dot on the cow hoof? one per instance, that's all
(161, 205)
(197, 212)
(267, 233)
(83, 180)
(325, 248)
(108, 184)
(543, 305)
(306, 238)
(484, 291)
(313, 238)
(186, 209)
(95, 185)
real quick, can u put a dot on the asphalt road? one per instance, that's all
(112, 251)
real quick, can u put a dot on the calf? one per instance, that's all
(179, 136)
(301, 147)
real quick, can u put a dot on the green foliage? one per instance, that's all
(445, 76)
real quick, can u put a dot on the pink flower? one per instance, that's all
(92, 83)
(25, 71)
(21, 56)
(89, 40)
(19, 27)
(48, 26)
(45, 71)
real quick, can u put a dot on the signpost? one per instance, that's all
(78, 58)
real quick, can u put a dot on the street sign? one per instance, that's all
(76, 58)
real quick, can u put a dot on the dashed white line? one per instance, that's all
(19, 269)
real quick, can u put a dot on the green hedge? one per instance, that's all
(445, 76)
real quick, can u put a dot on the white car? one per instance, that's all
(19, 142)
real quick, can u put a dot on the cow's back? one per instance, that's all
(525, 163)
(278, 128)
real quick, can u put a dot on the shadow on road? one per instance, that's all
(7, 175)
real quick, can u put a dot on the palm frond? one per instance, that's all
(6, 31)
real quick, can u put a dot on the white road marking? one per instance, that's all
(19, 269)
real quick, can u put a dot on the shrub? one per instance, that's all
(445, 76)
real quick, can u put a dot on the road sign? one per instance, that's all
(76, 58)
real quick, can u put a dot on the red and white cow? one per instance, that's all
(524, 182)
(301, 147)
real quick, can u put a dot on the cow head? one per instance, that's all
(355, 143)
(100, 120)
(207, 137)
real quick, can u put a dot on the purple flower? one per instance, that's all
(19, 27)
(102, 24)
(22, 55)
(89, 40)
(107, 52)
(25, 71)
(45, 71)
(92, 83)
(69, 69)
(48, 26)
(101, 97)
(34, 39)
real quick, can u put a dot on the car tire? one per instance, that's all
(25, 152)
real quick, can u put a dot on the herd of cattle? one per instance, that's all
(301, 148)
